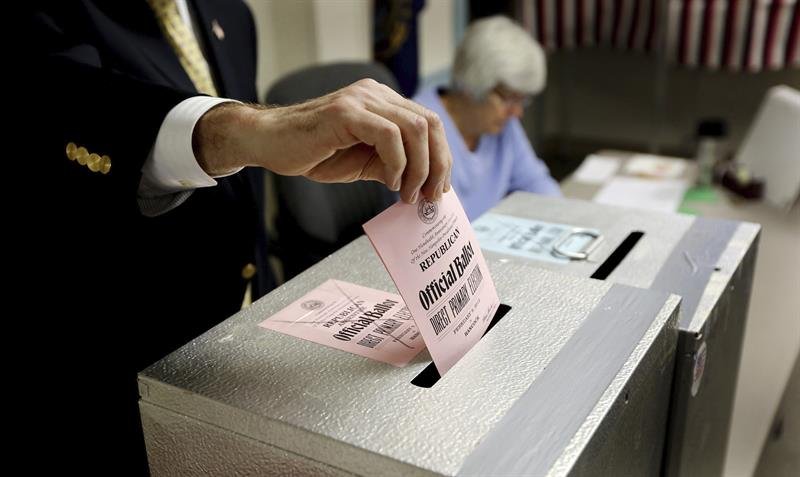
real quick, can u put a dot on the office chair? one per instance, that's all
(313, 219)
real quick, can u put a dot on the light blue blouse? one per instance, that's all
(502, 163)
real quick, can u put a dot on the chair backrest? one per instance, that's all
(319, 80)
(313, 219)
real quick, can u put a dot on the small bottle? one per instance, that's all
(710, 136)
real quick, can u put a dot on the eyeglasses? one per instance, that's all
(511, 98)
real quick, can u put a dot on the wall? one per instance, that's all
(600, 98)
(436, 38)
(344, 30)
(293, 34)
(298, 33)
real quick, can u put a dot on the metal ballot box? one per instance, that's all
(573, 380)
(709, 262)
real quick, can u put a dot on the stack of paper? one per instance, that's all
(657, 167)
(663, 195)
(596, 169)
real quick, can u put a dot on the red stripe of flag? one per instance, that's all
(541, 23)
(793, 38)
(707, 31)
(730, 27)
(559, 24)
(598, 22)
(748, 42)
(651, 26)
(772, 26)
(683, 47)
(617, 20)
(634, 24)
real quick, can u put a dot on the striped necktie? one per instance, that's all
(185, 45)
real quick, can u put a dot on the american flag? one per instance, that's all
(734, 35)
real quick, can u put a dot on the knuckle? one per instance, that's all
(420, 125)
(446, 158)
(387, 89)
(341, 105)
(434, 121)
(440, 166)
(368, 83)
(350, 91)
(417, 175)
(390, 132)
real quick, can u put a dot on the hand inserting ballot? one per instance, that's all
(365, 131)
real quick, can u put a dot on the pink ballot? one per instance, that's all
(431, 252)
(371, 323)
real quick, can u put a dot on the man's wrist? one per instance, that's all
(219, 138)
(172, 165)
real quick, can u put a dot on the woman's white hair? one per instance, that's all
(496, 51)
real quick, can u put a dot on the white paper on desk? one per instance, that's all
(648, 165)
(663, 195)
(596, 169)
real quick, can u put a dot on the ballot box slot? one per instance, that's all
(617, 256)
(430, 375)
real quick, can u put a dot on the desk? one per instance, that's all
(772, 338)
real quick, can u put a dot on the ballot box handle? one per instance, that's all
(584, 253)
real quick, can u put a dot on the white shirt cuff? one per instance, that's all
(172, 166)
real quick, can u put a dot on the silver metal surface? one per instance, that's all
(278, 395)
(585, 365)
(693, 260)
(718, 273)
(702, 405)
(180, 446)
(640, 267)
(662, 232)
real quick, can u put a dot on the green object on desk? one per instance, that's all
(706, 194)
(701, 194)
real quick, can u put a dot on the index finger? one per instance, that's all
(441, 161)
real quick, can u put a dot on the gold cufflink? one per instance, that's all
(71, 150)
(94, 162)
(81, 155)
(105, 167)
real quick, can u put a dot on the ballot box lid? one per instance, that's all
(530, 394)
(694, 257)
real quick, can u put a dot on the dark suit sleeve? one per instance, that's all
(79, 99)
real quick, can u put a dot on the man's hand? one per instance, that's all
(365, 131)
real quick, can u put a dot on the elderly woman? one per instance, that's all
(498, 67)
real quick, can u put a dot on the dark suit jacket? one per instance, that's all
(128, 289)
